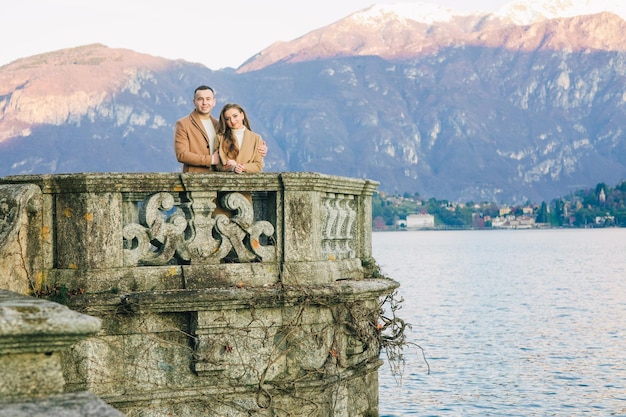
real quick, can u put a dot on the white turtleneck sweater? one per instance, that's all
(239, 135)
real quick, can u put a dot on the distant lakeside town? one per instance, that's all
(602, 206)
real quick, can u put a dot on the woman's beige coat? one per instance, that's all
(249, 154)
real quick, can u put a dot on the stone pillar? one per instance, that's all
(89, 230)
(365, 220)
(302, 222)
(33, 332)
(21, 236)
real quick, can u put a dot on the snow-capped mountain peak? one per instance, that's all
(417, 11)
(526, 12)
(409, 30)
(520, 12)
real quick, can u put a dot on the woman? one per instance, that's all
(238, 145)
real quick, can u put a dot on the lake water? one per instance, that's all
(512, 322)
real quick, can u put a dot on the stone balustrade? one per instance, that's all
(156, 231)
(219, 294)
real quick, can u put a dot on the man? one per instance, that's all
(194, 137)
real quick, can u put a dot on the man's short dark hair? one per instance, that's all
(203, 87)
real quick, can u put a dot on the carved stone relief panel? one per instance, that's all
(185, 229)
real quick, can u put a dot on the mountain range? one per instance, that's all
(527, 103)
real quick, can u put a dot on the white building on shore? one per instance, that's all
(420, 221)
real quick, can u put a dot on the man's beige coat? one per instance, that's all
(191, 143)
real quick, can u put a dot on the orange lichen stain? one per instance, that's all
(255, 243)
(240, 284)
(73, 266)
(333, 353)
(39, 280)
(88, 217)
(68, 212)
(331, 257)
(171, 272)
(179, 188)
(379, 326)
(45, 232)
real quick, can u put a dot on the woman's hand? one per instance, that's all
(235, 167)
(230, 164)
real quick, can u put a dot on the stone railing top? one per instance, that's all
(74, 404)
(34, 325)
(146, 182)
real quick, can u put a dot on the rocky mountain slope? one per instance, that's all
(93, 108)
(472, 107)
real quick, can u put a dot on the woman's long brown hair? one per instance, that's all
(229, 144)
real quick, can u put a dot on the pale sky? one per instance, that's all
(217, 34)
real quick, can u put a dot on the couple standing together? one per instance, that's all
(204, 144)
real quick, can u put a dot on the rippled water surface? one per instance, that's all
(512, 322)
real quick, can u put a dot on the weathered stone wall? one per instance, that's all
(269, 309)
